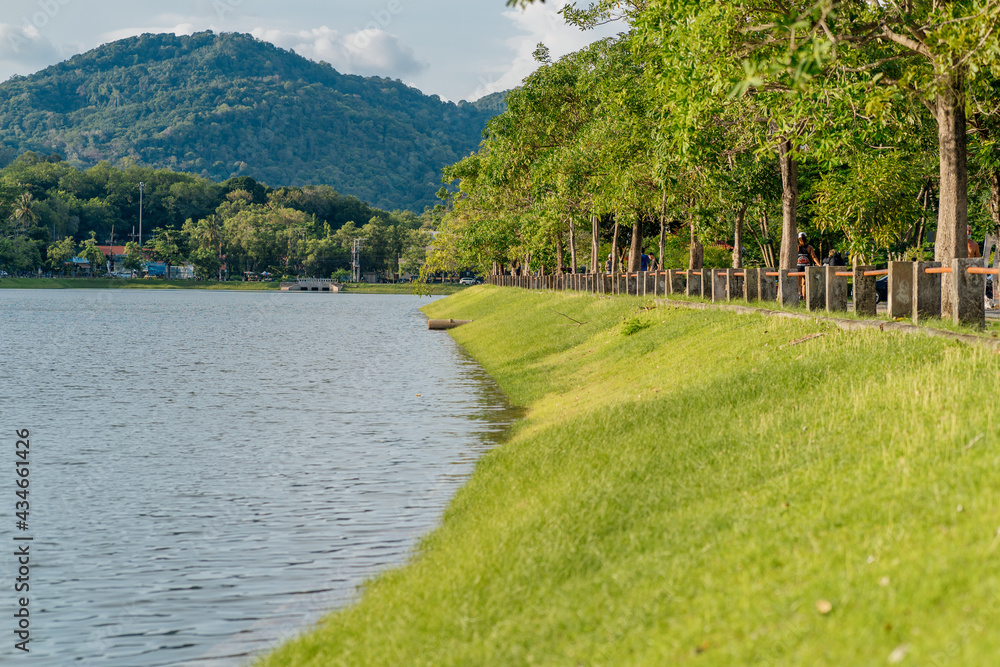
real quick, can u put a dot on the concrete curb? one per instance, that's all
(846, 325)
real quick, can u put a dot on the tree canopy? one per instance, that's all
(712, 121)
(52, 212)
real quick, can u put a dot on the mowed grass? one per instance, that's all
(693, 487)
(427, 289)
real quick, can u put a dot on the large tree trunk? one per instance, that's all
(738, 238)
(950, 241)
(696, 259)
(572, 245)
(789, 206)
(614, 248)
(595, 244)
(635, 250)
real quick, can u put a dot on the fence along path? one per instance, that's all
(914, 288)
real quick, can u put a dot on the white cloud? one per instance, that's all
(370, 52)
(25, 47)
(537, 23)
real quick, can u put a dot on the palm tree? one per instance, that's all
(24, 215)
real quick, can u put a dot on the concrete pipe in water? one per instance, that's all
(439, 325)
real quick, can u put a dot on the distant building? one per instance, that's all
(114, 253)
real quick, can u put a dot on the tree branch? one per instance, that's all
(907, 42)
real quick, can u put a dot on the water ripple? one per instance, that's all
(212, 471)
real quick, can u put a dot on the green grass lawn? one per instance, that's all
(136, 283)
(702, 487)
(432, 289)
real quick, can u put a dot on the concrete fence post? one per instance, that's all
(693, 282)
(720, 284)
(926, 291)
(676, 281)
(788, 288)
(734, 285)
(900, 289)
(631, 284)
(767, 288)
(836, 290)
(706, 283)
(815, 288)
(865, 298)
(750, 285)
(967, 302)
(660, 289)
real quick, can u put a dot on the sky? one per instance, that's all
(457, 49)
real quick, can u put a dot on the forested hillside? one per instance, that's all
(229, 105)
(50, 212)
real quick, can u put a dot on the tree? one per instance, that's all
(133, 257)
(869, 52)
(90, 252)
(61, 252)
(24, 215)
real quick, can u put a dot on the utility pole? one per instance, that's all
(356, 259)
(141, 187)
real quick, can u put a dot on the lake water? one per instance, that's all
(210, 471)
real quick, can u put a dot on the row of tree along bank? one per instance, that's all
(51, 212)
(873, 127)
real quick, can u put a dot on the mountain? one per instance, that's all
(226, 105)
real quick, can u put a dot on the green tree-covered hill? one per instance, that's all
(225, 105)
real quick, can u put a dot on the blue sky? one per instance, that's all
(458, 49)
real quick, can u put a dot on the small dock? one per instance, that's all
(312, 285)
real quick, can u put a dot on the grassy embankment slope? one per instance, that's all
(403, 288)
(690, 487)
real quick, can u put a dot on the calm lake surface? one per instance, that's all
(210, 471)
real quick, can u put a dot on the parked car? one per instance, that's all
(882, 289)
(468, 281)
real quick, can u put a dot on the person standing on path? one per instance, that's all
(807, 257)
(973, 246)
